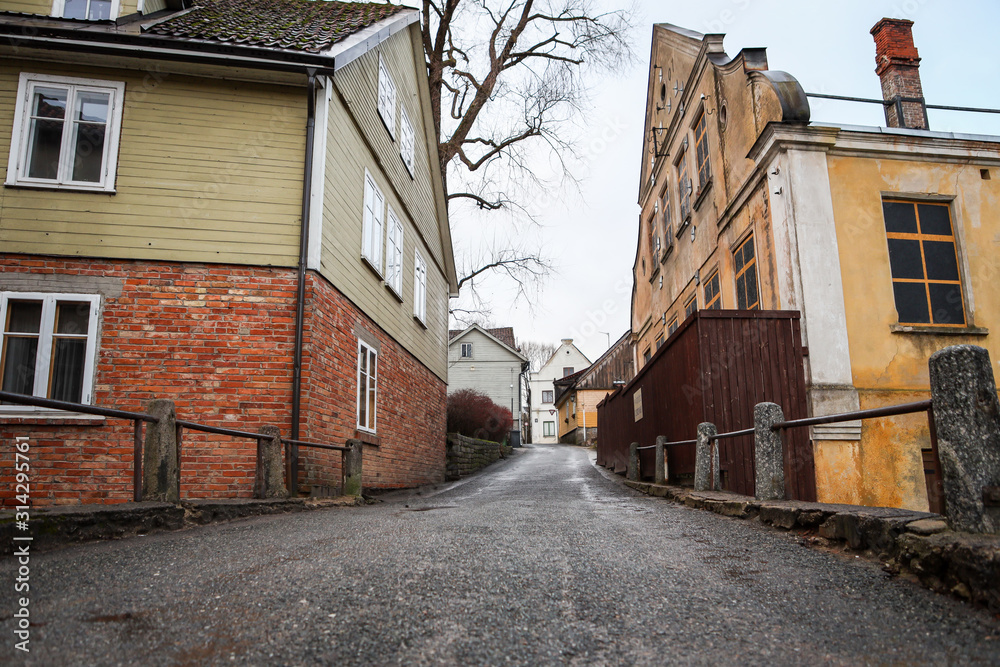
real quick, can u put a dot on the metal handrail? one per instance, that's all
(890, 411)
(303, 443)
(732, 434)
(671, 444)
(76, 407)
(222, 431)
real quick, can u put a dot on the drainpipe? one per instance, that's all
(300, 291)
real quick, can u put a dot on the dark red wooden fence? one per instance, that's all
(715, 368)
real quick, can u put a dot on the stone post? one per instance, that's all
(967, 421)
(350, 469)
(633, 462)
(703, 458)
(769, 452)
(270, 479)
(661, 460)
(161, 475)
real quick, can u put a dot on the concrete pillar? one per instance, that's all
(967, 420)
(661, 460)
(703, 457)
(768, 452)
(161, 475)
(633, 462)
(350, 469)
(270, 479)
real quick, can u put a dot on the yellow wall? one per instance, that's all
(208, 170)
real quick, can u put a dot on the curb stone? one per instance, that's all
(916, 543)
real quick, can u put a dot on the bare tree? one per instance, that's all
(537, 353)
(506, 80)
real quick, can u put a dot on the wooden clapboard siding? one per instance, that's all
(28, 6)
(357, 83)
(208, 170)
(352, 147)
(496, 369)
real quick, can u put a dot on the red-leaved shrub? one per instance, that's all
(471, 413)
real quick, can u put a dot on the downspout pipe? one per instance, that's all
(292, 455)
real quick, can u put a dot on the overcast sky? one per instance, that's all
(591, 235)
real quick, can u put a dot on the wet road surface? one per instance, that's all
(542, 559)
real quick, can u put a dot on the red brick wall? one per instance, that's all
(218, 340)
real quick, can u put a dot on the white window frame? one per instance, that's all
(21, 136)
(466, 350)
(386, 97)
(372, 409)
(394, 254)
(59, 8)
(373, 213)
(419, 287)
(406, 140)
(43, 359)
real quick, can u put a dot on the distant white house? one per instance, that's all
(487, 360)
(566, 360)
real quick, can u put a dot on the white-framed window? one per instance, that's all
(386, 97)
(547, 395)
(49, 345)
(88, 10)
(419, 287)
(66, 132)
(374, 210)
(466, 350)
(394, 254)
(406, 140)
(548, 429)
(367, 387)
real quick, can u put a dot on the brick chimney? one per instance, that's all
(898, 66)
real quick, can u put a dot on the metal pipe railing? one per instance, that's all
(890, 411)
(303, 443)
(76, 407)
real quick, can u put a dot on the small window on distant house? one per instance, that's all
(568, 370)
(466, 350)
(745, 265)
(406, 140)
(419, 288)
(684, 186)
(66, 133)
(547, 395)
(548, 429)
(394, 255)
(691, 306)
(646, 356)
(49, 345)
(713, 300)
(367, 387)
(672, 327)
(386, 97)
(701, 151)
(659, 341)
(89, 10)
(374, 210)
(923, 259)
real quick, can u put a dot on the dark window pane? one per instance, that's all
(741, 293)
(88, 160)
(49, 103)
(72, 317)
(899, 217)
(19, 364)
(24, 316)
(934, 219)
(911, 303)
(46, 139)
(69, 355)
(941, 261)
(946, 304)
(748, 251)
(752, 296)
(904, 258)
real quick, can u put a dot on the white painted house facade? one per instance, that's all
(566, 360)
(487, 360)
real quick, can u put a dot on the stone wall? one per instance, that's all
(467, 455)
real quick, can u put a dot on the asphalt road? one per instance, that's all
(542, 559)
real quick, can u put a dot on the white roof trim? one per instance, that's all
(488, 335)
(354, 46)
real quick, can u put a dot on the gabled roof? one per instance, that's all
(311, 26)
(502, 335)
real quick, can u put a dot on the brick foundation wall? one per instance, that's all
(218, 340)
